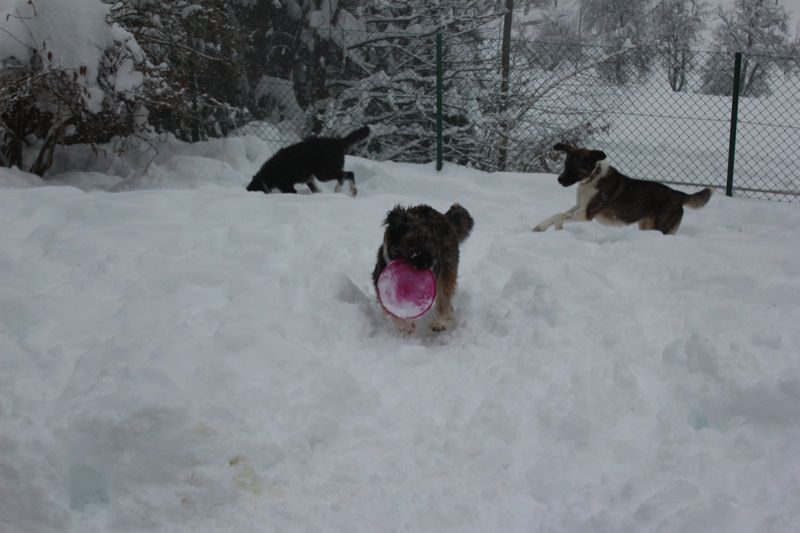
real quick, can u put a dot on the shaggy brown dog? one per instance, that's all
(613, 198)
(320, 157)
(427, 239)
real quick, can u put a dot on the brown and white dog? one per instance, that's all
(611, 197)
(427, 239)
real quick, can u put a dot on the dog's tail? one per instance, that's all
(461, 221)
(698, 199)
(358, 135)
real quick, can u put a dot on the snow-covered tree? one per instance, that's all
(199, 49)
(565, 40)
(393, 87)
(621, 25)
(677, 27)
(759, 30)
(386, 73)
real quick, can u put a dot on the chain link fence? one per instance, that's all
(662, 115)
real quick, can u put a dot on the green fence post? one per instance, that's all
(737, 71)
(505, 73)
(439, 99)
(195, 113)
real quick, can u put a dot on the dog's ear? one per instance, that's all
(562, 147)
(597, 155)
(394, 216)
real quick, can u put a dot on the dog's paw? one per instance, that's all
(539, 228)
(406, 327)
(353, 191)
(440, 324)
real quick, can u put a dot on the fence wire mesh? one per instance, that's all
(768, 139)
(662, 115)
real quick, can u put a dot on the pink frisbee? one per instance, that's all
(405, 292)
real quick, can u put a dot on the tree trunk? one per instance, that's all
(677, 76)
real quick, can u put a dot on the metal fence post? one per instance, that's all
(439, 100)
(737, 71)
(505, 72)
(196, 114)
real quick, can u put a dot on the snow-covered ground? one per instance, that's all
(182, 356)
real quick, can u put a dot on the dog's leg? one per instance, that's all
(406, 327)
(312, 186)
(350, 178)
(669, 220)
(674, 229)
(444, 315)
(444, 306)
(647, 223)
(574, 214)
(287, 188)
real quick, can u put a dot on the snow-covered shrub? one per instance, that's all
(67, 75)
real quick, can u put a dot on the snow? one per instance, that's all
(81, 42)
(183, 355)
(67, 35)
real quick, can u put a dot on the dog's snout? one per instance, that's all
(567, 179)
(421, 260)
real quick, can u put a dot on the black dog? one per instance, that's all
(320, 157)
(427, 239)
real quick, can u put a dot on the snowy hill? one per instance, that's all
(185, 356)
